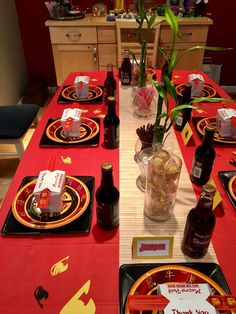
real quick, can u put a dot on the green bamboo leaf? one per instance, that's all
(199, 48)
(151, 20)
(170, 88)
(213, 99)
(160, 90)
(172, 62)
(172, 21)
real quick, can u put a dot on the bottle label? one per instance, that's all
(125, 77)
(111, 136)
(197, 170)
(179, 120)
(108, 215)
(202, 240)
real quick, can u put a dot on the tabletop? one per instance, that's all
(65, 273)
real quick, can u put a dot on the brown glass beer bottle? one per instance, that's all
(109, 83)
(184, 115)
(111, 125)
(126, 70)
(204, 157)
(199, 225)
(107, 200)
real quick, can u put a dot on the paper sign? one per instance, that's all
(217, 198)
(186, 133)
(152, 247)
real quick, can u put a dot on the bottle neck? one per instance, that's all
(107, 182)
(110, 70)
(208, 139)
(205, 203)
(187, 95)
(111, 108)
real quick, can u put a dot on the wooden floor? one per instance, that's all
(9, 164)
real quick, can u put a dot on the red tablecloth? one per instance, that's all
(75, 270)
(224, 237)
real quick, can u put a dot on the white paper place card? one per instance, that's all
(152, 247)
(70, 121)
(81, 84)
(53, 181)
(186, 298)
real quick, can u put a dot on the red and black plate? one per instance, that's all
(54, 135)
(75, 216)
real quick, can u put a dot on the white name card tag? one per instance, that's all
(152, 247)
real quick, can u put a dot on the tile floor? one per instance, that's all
(9, 164)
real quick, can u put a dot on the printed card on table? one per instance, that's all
(152, 247)
(187, 134)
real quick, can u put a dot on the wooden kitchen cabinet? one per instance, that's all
(107, 46)
(192, 32)
(74, 49)
(91, 43)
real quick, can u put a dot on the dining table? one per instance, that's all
(69, 264)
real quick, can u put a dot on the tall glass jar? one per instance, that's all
(162, 178)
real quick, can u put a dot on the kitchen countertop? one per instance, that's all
(90, 20)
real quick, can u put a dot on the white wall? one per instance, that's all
(13, 71)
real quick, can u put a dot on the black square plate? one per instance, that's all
(129, 273)
(68, 95)
(90, 137)
(225, 177)
(80, 225)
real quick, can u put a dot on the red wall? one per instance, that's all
(38, 53)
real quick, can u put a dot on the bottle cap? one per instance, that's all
(210, 128)
(106, 166)
(111, 98)
(209, 189)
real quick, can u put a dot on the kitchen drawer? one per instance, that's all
(72, 35)
(187, 34)
(129, 35)
(107, 35)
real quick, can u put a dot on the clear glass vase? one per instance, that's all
(144, 102)
(162, 178)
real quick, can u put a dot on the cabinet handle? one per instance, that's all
(73, 36)
(185, 34)
(95, 55)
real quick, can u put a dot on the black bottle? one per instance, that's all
(184, 115)
(111, 125)
(126, 70)
(109, 83)
(204, 157)
(199, 225)
(107, 200)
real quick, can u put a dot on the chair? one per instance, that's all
(127, 38)
(15, 121)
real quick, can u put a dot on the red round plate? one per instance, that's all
(88, 129)
(94, 93)
(207, 91)
(232, 187)
(75, 199)
(217, 138)
(148, 282)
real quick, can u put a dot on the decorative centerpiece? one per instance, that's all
(164, 167)
(143, 101)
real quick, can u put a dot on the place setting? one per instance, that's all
(224, 123)
(51, 203)
(71, 130)
(140, 285)
(81, 91)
